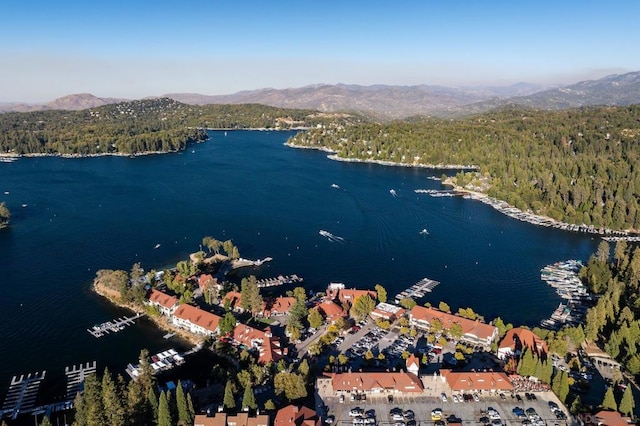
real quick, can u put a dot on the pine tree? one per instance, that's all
(111, 401)
(137, 410)
(192, 411)
(80, 417)
(164, 414)
(229, 401)
(576, 405)
(563, 391)
(184, 416)
(93, 401)
(145, 377)
(152, 406)
(609, 400)
(249, 399)
(627, 403)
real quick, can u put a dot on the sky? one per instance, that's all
(137, 48)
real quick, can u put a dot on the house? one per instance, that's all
(337, 291)
(371, 382)
(611, 418)
(387, 311)
(474, 331)
(476, 381)
(516, 339)
(292, 415)
(165, 304)
(267, 347)
(234, 301)
(413, 364)
(206, 281)
(224, 419)
(278, 306)
(332, 311)
(196, 320)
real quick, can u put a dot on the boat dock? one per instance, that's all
(112, 326)
(418, 290)
(75, 377)
(159, 362)
(22, 394)
(279, 280)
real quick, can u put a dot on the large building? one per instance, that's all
(370, 382)
(165, 304)
(224, 419)
(517, 339)
(196, 320)
(268, 347)
(292, 415)
(331, 310)
(337, 291)
(473, 381)
(474, 331)
(387, 311)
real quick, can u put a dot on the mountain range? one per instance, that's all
(395, 102)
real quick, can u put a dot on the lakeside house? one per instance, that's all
(164, 303)
(196, 320)
(474, 331)
(387, 311)
(337, 291)
(517, 339)
(268, 347)
(293, 415)
(277, 307)
(476, 381)
(370, 382)
(233, 299)
(206, 281)
(332, 311)
(224, 419)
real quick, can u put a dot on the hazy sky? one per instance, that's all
(138, 48)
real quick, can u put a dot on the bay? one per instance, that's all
(86, 214)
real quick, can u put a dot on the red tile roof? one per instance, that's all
(475, 328)
(206, 280)
(612, 418)
(162, 299)
(349, 295)
(292, 415)
(332, 310)
(268, 347)
(235, 299)
(518, 338)
(399, 381)
(477, 381)
(281, 305)
(198, 317)
(223, 419)
(413, 361)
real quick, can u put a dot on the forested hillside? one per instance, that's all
(139, 126)
(578, 165)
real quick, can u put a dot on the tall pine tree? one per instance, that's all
(184, 416)
(249, 399)
(152, 406)
(164, 414)
(609, 400)
(229, 400)
(114, 410)
(627, 403)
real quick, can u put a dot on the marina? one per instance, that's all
(436, 192)
(279, 280)
(112, 326)
(160, 362)
(22, 394)
(75, 377)
(563, 277)
(418, 290)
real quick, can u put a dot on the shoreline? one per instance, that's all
(159, 321)
(333, 155)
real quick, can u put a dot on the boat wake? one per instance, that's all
(331, 237)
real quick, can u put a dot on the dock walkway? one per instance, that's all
(113, 326)
(418, 290)
(22, 394)
(279, 280)
(75, 377)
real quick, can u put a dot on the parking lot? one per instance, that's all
(423, 406)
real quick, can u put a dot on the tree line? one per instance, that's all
(576, 165)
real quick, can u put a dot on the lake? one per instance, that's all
(81, 215)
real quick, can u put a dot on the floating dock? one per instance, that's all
(75, 377)
(418, 290)
(22, 394)
(279, 280)
(112, 326)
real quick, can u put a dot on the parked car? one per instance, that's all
(356, 412)
(443, 397)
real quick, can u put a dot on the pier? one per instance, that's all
(75, 377)
(279, 280)
(112, 326)
(243, 263)
(418, 290)
(22, 394)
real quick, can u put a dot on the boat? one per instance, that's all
(424, 232)
(393, 192)
(24, 205)
(330, 236)
(333, 185)
(157, 246)
(169, 335)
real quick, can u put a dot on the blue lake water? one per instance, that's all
(85, 214)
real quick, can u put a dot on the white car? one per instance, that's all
(356, 412)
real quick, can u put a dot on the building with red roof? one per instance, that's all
(413, 364)
(234, 299)
(372, 382)
(279, 306)
(267, 347)
(331, 310)
(196, 320)
(474, 331)
(337, 291)
(165, 304)
(516, 339)
(387, 311)
(611, 418)
(476, 381)
(224, 419)
(292, 415)
(206, 281)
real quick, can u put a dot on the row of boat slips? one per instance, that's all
(418, 290)
(279, 280)
(514, 212)
(112, 326)
(437, 192)
(162, 361)
(563, 277)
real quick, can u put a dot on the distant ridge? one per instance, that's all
(397, 102)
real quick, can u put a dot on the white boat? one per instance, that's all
(393, 192)
(330, 236)
(333, 185)
(157, 246)
(424, 232)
